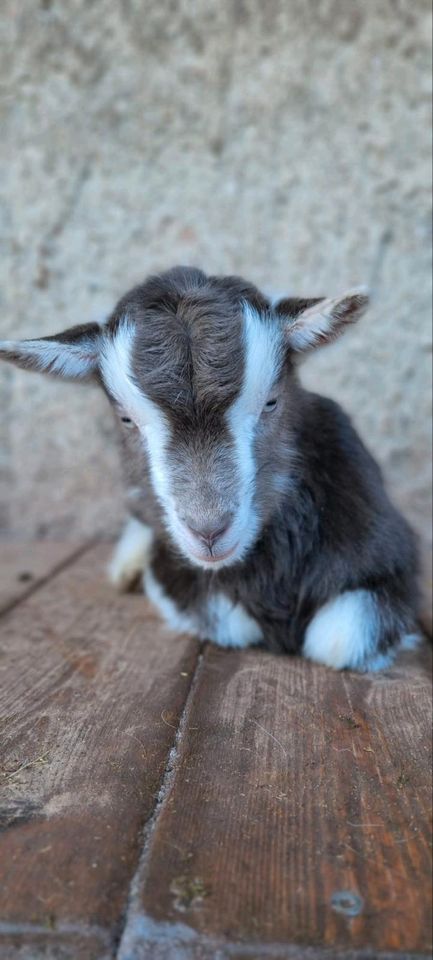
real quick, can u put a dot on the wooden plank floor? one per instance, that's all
(24, 567)
(163, 802)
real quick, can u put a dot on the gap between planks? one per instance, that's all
(167, 781)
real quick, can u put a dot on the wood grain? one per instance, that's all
(299, 797)
(91, 690)
(25, 566)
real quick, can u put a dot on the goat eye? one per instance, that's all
(271, 404)
(126, 420)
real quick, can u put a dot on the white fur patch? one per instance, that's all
(410, 641)
(222, 621)
(131, 555)
(175, 618)
(262, 343)
(116, 372)
(343, 634)
(230, 625)
(153, 425)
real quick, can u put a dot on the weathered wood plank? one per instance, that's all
(25, 566)
(91, 690)
(297, 821)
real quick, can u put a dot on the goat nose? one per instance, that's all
(210, 532)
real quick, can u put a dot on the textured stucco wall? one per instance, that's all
(286, 140)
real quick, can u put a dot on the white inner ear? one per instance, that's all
(313, 325)
(318, 323)
(65, 359)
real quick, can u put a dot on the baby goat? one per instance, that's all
(257, 514)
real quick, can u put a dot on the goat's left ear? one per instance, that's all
(73, 354)
(311, 323)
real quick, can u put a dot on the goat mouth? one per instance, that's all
(210, 559)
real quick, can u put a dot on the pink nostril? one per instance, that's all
(208, 533)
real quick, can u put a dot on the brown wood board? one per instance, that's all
(92, 686)
(297, 819)
(23, 567)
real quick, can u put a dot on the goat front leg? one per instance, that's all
(359, 630)
(131, 556)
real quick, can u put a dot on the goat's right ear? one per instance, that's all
(73, 354)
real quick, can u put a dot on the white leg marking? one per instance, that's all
(225, 623)
(343, 634)
(131, 555)
(175, 618)
(230, 625)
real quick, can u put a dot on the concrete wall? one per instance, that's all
(286, 140)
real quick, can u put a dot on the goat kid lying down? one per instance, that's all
(257, 514)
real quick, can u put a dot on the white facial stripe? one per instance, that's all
(65, 359)
(262, 344)
(116, 371)
(153, 426)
